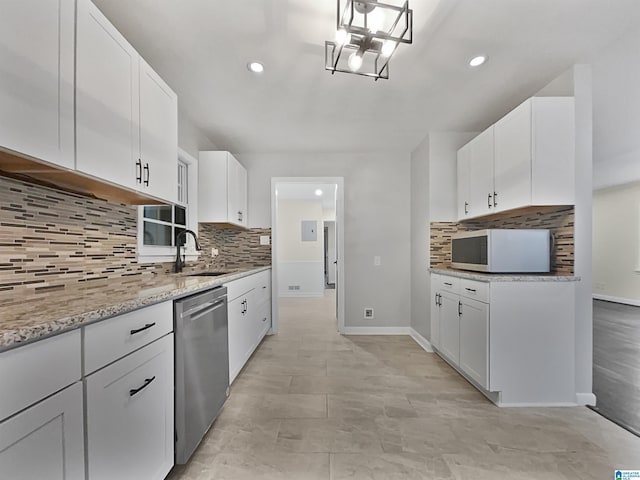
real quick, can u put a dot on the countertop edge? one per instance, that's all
(504, 277)
(15, 338)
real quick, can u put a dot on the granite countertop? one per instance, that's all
(505, 277)
(26, 318)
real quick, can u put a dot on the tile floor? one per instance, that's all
(311, 404)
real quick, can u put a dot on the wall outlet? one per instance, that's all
(377, 261)
(265, 240)
(368, 312)
(214, 252)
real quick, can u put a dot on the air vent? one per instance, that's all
(294, 287)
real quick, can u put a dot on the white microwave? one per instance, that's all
(502, 251)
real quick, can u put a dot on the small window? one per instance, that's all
(158, 225)
(162, 224)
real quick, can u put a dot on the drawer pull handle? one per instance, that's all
(147, 381)
(142, 329)
(448, 284)
(470, 289)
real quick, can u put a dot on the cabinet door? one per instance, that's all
(107, 100)
(241, 200)
(234, 214)
(130, 432)
(46, 440)
(474, 340)
(512, 161)
(158, 135)
(481, 173)
(435, 318)
(463, 182)
(36, 79)
(450, 327)
(241, 334)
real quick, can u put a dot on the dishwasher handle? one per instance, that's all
(207, 308)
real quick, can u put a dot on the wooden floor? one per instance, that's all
(616, 362)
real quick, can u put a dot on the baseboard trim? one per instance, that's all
(420, 340)
(586, 399)
(625, 301)
(376, 331)
(302, 294)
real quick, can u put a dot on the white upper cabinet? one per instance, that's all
(512, 160)
(222, 189)
(107, 100)
(530, 157)
(464, 184)
(158, 135)
(481, 174)
(36, 79)
(126, 115)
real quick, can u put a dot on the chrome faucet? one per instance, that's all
(179, 265)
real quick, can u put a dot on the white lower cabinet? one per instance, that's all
(130, 433)
(249, 313)
(46, 440)
(450, 327)
(513, 339)
(474, 340)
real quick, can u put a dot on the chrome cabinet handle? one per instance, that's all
(459, 308)
(466, 208)
(148, 171)
(147, 381)
(489, 200)
(470, 289)
(495, 196)
(139, 171)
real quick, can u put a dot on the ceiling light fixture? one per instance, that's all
(255, 67)
(477, 61)
(318, 193)
(368, 33)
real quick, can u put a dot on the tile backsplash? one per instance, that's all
(51, 239)
(560, 220)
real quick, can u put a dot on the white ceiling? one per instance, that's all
(201, 47)
(307, 191)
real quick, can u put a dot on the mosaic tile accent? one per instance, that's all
(51, 239)
(560, 220)
(236, 248)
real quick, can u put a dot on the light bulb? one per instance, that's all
(387, 48)
(355, 61)
(256, 67)
(343, 37)
(375, 20)
(477, 61)
(318, 193)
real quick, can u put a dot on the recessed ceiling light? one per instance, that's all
(318, 192)
(477, 61)
(255, 67)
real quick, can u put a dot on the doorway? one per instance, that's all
(307, 218)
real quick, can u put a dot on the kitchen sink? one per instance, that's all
(208, 274)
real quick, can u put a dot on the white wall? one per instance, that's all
(420, 285)
(616, 243)
(377, 222)
(190, 138)
(616, 112)
(300, 263)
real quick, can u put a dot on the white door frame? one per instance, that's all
(339, 181)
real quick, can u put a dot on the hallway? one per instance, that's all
(312, 404)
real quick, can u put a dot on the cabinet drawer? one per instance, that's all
(263, 287)
(30, 373)
(473, 289)
(448, 284)
(130, 429)
(105, 342)
(240, 287)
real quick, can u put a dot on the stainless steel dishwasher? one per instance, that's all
(201, 366)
